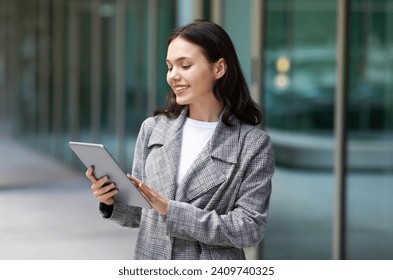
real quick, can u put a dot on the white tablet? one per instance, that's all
(104, 165)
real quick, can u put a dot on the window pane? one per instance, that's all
(370, 122)
(300, 79)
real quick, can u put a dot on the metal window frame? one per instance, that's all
(74, 68)
(152, 49)
(95, 71)
(340, 130)
(3, 55)
(216, 7)
(257, 50)
(58, 75)
(119, 82)
(43, 71)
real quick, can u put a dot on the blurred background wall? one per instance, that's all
(93, 70)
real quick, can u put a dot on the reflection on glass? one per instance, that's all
(370, 187)
(300, 105)
(299, 89)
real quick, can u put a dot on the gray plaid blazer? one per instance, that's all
(221, 204)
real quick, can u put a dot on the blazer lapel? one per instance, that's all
(212, 165)
(162, 163)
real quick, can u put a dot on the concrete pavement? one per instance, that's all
(48, 212)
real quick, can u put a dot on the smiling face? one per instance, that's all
(190, 75)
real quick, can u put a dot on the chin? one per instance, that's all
(181, 101)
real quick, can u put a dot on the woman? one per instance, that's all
(202, 163)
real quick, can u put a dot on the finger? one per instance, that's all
(104, 190)
(156, 201)
(134, 180)
(147, 198)
(99, 183)
(147, 192)
(107, 198)
(106, 194)
(146, 189)
(90, 174)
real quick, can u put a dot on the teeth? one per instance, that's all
(180, 88)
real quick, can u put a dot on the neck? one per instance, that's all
(206, 113)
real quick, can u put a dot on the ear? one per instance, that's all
(220, 68)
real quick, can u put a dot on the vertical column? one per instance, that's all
(43, 69)
(13, 63)
(74, 68)
(257, 49)
(216, 8)
(58, 75)
(183, 11)
(258, 13)
(197, 7)
(120, 23)
(388, 97)
(3, 57)
(152, 55)
(95, 70)
(340, 130)
(29, 66)
(188, 10)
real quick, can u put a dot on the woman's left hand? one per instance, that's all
(158, 202)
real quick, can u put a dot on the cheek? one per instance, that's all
(206, 82)
(168, 79)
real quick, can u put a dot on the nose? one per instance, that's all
(173, 75)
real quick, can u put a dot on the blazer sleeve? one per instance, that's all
(243, 226)
(126, 215)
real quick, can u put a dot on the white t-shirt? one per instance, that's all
(196, 134)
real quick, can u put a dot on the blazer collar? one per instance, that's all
(166, 129)
(223, 144)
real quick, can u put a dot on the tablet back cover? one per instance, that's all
(96, 155)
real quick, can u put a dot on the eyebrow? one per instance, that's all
(179, 59)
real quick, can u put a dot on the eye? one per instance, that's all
(185, 67)
(169, 69)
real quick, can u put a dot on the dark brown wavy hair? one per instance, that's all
(231, 89)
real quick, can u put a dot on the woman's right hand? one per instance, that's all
(104, 193)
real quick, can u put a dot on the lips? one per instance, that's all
(179, 89)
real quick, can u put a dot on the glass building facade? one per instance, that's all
(93, 70)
